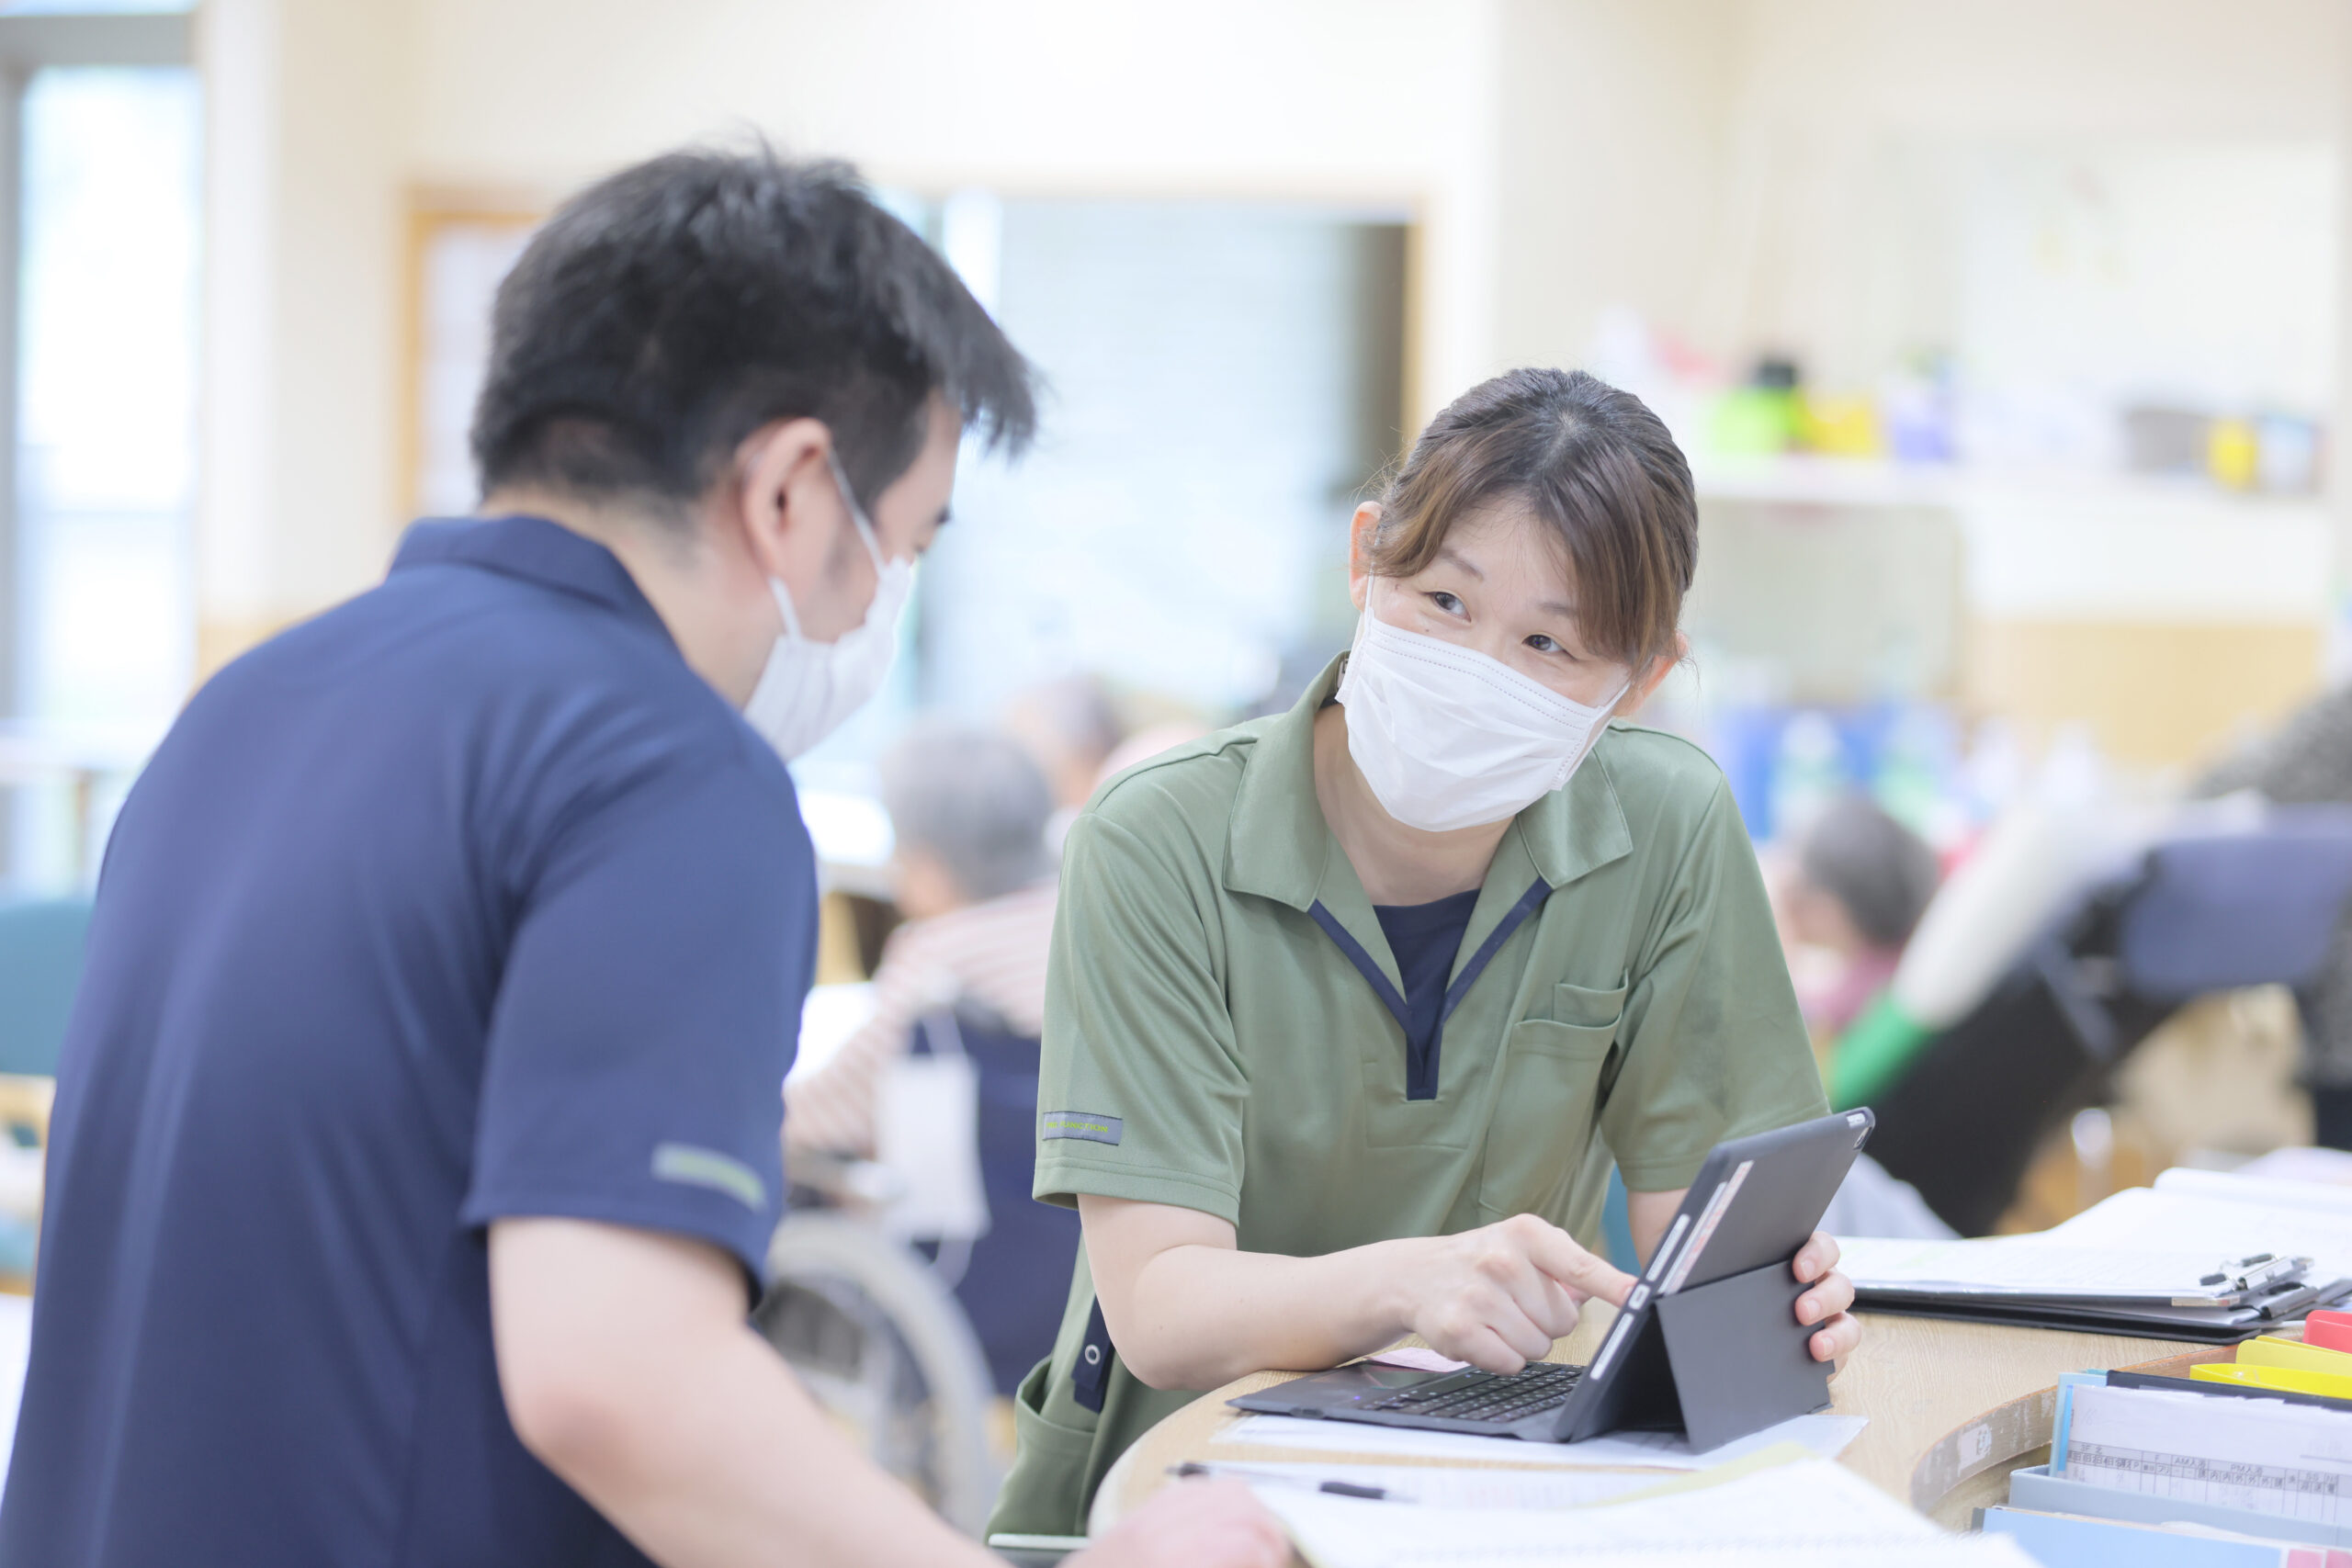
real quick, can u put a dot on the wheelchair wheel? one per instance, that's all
(880, 1343)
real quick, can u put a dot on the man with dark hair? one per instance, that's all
(414, 1142)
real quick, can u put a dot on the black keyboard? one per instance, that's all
(1544, 1385)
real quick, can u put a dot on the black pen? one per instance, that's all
(1336, 1488)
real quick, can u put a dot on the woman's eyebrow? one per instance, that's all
(1448, 553)
(1560, 607)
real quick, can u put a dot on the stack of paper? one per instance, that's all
(2201, 1255)
(2207, 1211)
(1824, 1434)
(2290, 1462)
(2327, 1167)
(1776, 1511)
(2216, 1472)
(2040, 1267)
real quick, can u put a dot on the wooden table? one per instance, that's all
(1953, 1407)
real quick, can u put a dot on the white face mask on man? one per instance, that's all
(808, 688)
(1448, 737)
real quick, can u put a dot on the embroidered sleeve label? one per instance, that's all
(1083, 1125)
(692, 1167)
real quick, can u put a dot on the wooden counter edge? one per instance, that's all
(1962, 1469)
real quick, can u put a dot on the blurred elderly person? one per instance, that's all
(974, 878)
(1070, 726)
(2308, 762)
(1860, 882)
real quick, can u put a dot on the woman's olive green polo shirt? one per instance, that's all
(1214, 1037)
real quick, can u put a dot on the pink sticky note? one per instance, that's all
(1418, 1359)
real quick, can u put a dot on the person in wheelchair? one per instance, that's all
(1858, 885)
(972, 876)
(964, 976)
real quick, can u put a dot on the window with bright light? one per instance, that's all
(100, 648)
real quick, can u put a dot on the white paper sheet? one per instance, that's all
(2027, 1265)
(2327, 1168)
(1415, 1357)
(926, 1134)
(1826, 1434)
(1808, 1515)
(1452, 1487)
(2266, 1191)
(2293, 1461)
(2176, 1220)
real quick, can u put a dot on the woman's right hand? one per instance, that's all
(1193, 1524)
(1499, 1295)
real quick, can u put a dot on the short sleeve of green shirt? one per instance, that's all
(1140, 1089)
(1712, 1045)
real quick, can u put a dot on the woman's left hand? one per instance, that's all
(1826, 1303)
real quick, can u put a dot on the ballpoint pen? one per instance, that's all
(1337, 1488)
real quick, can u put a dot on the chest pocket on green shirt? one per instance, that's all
(1546, 1094)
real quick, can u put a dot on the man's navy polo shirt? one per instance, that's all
(468, 899)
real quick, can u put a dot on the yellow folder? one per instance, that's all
(2283, 1380)
(2272, 1351)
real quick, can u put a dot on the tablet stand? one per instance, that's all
(1741, 1361)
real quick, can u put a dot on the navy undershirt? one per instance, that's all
(1425, 937)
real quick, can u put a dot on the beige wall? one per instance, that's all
(305, 158)
(1826, 94)
(1609, 163)
(341, 108)
(1701, 158)
(2155, 695)
(1023, 96)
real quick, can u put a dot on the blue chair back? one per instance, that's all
(40, 965)
(2218, 911)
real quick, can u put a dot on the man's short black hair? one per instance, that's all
(669, 311)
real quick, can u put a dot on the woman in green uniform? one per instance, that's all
(1351, 1008)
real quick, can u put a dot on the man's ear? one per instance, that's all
(785, 500)
(1362, 530)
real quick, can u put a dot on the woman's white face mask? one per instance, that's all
(809, 689)
(1448, 737)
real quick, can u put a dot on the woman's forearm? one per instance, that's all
(1201, 1315)
(1187, 1309)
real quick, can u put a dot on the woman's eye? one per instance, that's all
(1543, 644)
(1446, 601)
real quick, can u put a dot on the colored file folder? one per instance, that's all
(2063, 1540)
(2270, 1351)
(2037, 1490)
(2286, 1366)
(2329, 1330)
(2290, 1459)
(2286, 1380)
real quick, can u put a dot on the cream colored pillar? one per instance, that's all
(306, 115)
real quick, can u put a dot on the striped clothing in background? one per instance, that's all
(993, 953)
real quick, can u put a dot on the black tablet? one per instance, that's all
(1708, 1341)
